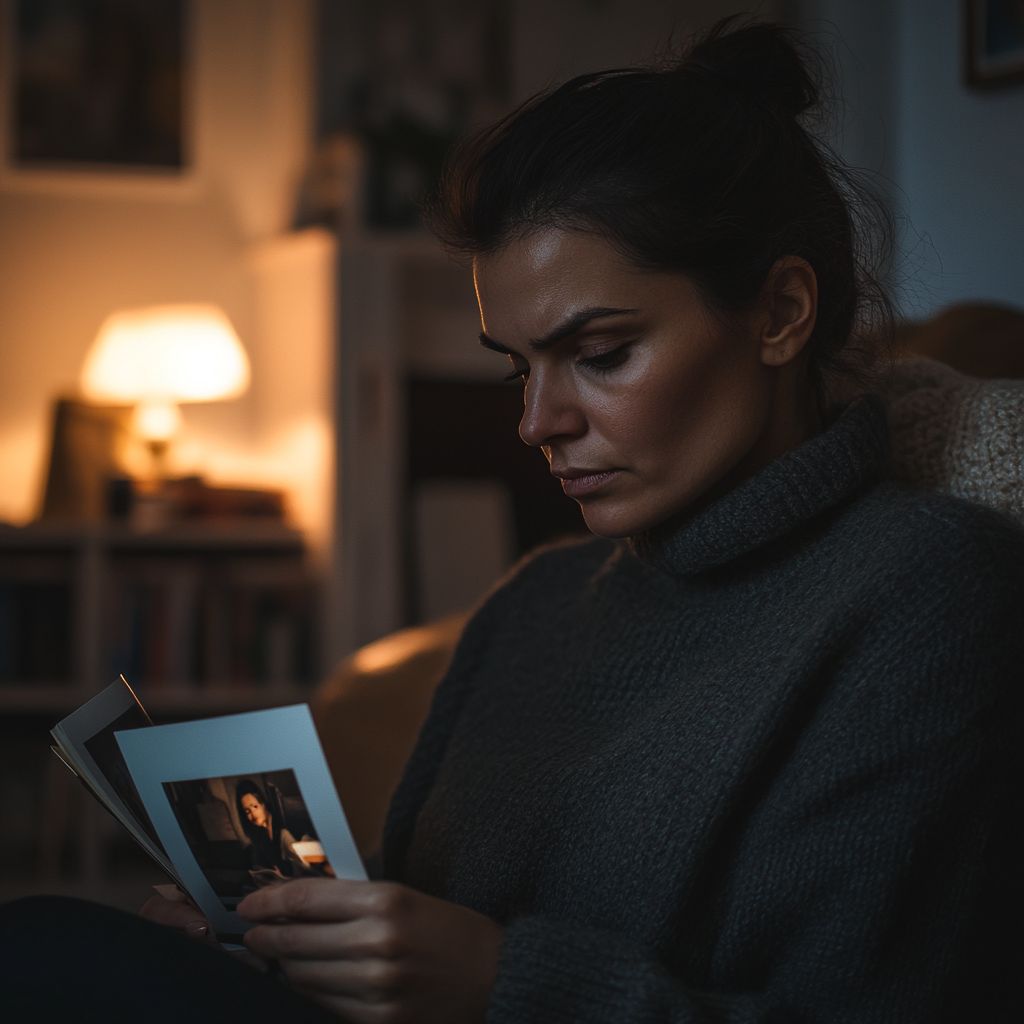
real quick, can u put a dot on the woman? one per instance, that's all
(272, 845)
(749, 754)
(270, 842)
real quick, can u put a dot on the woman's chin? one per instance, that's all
(618, 515)
(616, 520)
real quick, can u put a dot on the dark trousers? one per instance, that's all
(65, 960)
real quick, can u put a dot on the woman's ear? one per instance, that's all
(789, 310)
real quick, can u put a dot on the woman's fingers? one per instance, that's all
(349, 940)
(173, 893)
(172, 913)
(320, 899)
(369, 981)
(244, 956)
(377, 951)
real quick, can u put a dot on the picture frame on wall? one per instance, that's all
(993, 43)
(95, 97)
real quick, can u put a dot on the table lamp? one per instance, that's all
(158, 356)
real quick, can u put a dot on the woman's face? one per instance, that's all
(254, 810)
(643, 403)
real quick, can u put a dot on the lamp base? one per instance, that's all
(158, 449)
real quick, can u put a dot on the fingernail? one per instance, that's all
(195, 930)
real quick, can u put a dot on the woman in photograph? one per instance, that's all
(751, 754)
(271, 844)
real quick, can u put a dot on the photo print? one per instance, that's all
(248, 831)
(240, 802)
(86, 742)
(105, 752)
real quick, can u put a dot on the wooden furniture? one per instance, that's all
(401, 306)
(418, 401)
(199, 566)
(978, 339)
(369, 713)
(202, 619)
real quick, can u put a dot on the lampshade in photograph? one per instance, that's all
(166, 354)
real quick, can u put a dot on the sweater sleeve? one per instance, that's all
(500, 611)
(869, 870)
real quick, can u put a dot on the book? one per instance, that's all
(223, 805)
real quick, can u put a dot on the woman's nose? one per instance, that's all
(551, 411)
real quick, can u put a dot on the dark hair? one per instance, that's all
(699, 162)
(254, 832)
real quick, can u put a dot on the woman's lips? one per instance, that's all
(579, 483)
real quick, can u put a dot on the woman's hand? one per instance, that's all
(377, 952)
(173, 909)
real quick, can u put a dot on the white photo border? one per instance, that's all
(246, 744)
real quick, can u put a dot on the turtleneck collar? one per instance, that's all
(790, 491)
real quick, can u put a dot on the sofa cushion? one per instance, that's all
(957, 434)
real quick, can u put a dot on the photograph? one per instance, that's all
(240, 802)
(248, 831)
(88, 744)
(106, 754)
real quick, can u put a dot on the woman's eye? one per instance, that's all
(605, 361)
(517, 371)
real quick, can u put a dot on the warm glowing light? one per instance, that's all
(156, 421)
(159, 355)
(386, 654)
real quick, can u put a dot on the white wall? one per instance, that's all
(954, 156)
(960, 164)
(74, 248)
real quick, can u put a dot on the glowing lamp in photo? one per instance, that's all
(158, 356)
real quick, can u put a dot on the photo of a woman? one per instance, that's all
(272, 845)
(271, 842)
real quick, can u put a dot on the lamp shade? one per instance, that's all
(174, 353)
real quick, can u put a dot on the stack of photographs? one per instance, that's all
(223, 805)
(85, 742)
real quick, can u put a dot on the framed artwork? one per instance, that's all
(94, 93)
(993, 42)
(406, 77)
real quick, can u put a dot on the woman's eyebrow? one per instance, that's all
(565, 329)
(488, 342)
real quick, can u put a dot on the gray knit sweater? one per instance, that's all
(758, 767)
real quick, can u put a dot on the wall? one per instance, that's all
(555, 39)
(74, 248)
(960, 164)
(950, 157)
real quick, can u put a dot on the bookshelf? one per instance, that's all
(202, 619)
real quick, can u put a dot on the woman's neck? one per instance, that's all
(793, 420)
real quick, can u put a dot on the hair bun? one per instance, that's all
(759, 60)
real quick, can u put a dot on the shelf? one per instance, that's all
(40, 698)
(57, 699)
(234, 537)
